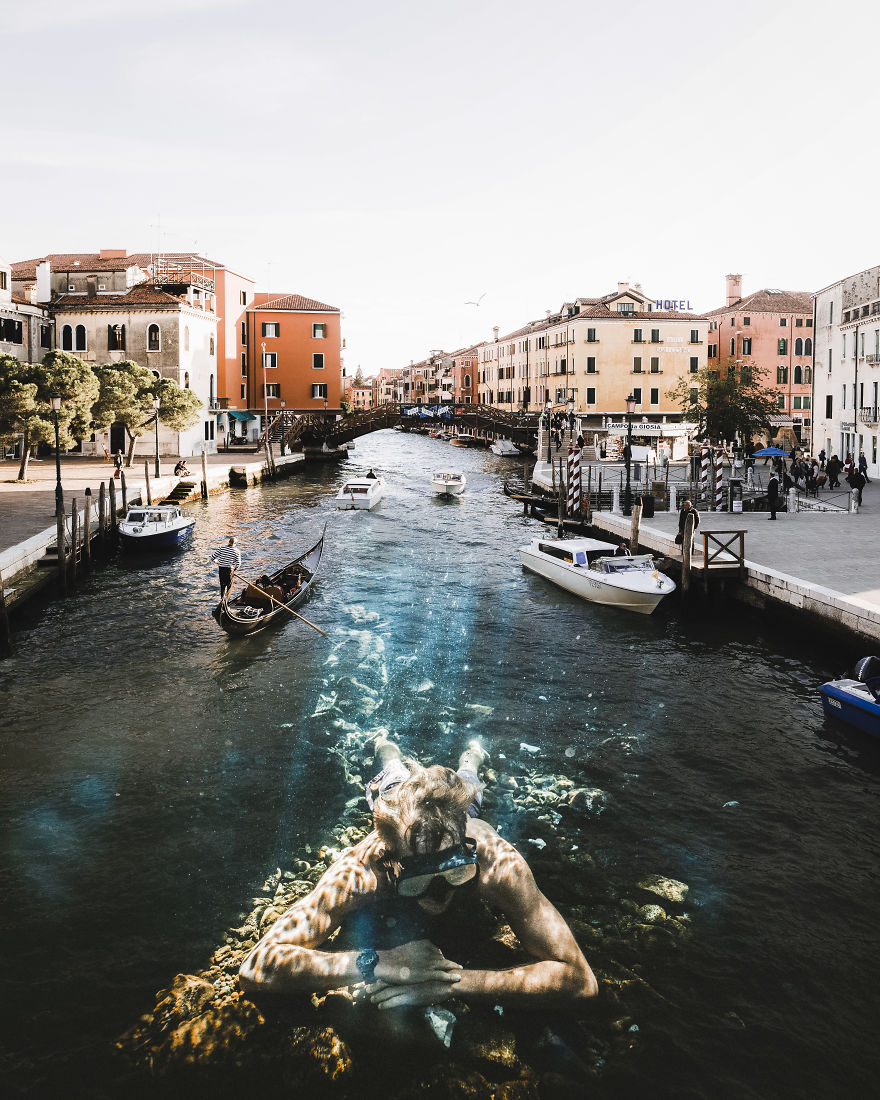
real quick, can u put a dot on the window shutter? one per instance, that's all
(122, 337)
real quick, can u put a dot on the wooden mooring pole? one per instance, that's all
(5, 633)
(114, 516)
(147, 480)
(686, 552)
(74, 534)
(204, 476)
(61, 543)
(87, 531)
(124, 492)
(102, 519)
(560, 507)
(634, 527)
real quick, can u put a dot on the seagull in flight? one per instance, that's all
(477, 302)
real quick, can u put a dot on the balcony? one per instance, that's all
(873, 359)
(868, 414)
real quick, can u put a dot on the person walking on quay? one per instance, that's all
(117, 464)
(848, 466)
(228, 559)
(687, 508)
(833, 468)
(822, 460)
(773, 495)
(863, 467)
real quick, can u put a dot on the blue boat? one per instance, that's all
(856, 699)
(155, 527)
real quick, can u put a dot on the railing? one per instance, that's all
(868, 414)
(874, 358)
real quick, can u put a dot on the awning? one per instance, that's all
(236, 415)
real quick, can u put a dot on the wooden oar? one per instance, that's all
(284, 605)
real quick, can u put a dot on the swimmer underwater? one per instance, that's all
(428, 861)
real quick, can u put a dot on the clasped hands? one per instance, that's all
(414, 973)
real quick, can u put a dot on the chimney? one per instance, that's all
(495, 332)
(44, 282)
(622, 287)
(113, 253)
(734, 288)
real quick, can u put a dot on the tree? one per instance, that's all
(28, 387)
(358, 377)
(726, 401)
(127, 391)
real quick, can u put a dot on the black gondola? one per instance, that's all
(249, 612)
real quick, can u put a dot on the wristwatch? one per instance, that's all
(366, 963)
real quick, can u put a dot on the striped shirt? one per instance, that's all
(227, 557)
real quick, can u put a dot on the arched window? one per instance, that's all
(808, 346)
(798, 375)
(467, 382)
(186, 381)
(186, 337)
(211, 346)
(799, 346)
(211, 390)
(153, 338)
(781, 376)
(80, 338)
(67, 338)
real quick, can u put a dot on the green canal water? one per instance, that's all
(155, 772)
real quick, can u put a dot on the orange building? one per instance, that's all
(294, 350)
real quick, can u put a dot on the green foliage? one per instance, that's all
(179, 408)
(731, 400)
(358, 377)
(126, 396)
(17, 396)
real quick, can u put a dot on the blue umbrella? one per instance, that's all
(769, 452)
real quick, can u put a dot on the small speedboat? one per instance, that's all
(448, 483)
(155, 527)
(464, 439)
(505, 448)
(594, 571)
(360, 492)
(856, 699)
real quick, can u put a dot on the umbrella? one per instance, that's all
(769, 452)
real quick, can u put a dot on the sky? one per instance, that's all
(401, 160)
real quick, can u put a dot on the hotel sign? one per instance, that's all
(674, 305)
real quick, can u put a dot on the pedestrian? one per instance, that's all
(687, 509)
(833, 468)
(571, 422)
(822, 460)
(580, 441)
(228, 559)
(863, 468)
(117, 465)
(848, 466)
(773, 494)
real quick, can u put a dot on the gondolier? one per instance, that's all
(228, 559)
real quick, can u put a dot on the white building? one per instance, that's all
(846, 377)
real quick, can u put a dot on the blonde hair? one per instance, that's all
(426, 813)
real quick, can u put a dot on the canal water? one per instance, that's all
(155, 771)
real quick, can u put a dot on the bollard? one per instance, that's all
(673, 499)
(792, 505)
(615, 499)
(854, 502)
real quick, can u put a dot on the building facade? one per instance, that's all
(846, 387)
(294, 351)
(25, 325)
(772, 329)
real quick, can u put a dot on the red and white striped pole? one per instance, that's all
(704, 473)
(719, 483)
(574, 479)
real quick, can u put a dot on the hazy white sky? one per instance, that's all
(397, 159)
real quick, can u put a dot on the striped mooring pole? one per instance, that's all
(574, 479)
(719, 481)
(704, 473)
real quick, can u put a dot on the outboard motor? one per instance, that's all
(867, 672)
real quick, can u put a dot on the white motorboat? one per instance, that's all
(360, 492)
(505, 448)
(464, 439)
(155, 526)
(592, 570)
(448, 483)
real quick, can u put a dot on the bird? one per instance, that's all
(477, 302)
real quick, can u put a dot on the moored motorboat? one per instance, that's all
(155, 527)
(594, 571)
(856, 699)
(464, 439)
(252, 610)
(360, 492)
(505, 448)
(448, 483)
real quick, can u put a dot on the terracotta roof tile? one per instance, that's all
(293, 302)
(770, 301)
(92, 261)
(144, 294)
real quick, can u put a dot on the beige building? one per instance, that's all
(25, 326)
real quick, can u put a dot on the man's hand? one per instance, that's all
(383, 995)
(414, 964)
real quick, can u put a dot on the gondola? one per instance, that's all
(248, 612)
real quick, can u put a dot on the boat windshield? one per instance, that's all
(355, 489)
(624, 565)
(135, 517)
(442, 475)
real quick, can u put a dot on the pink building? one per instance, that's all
(773, 329)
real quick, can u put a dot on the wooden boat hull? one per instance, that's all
(229, 611)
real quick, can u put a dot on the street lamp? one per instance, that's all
(547, 410)
(156, 403)
(627, 496)
(55, 402)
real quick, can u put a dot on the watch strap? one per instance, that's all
(366, 962)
